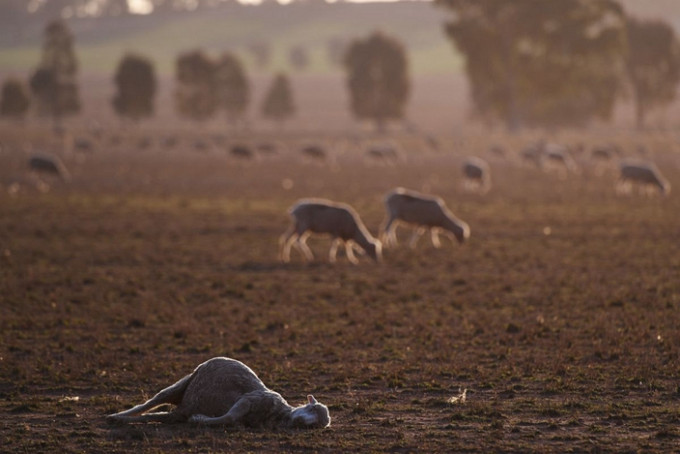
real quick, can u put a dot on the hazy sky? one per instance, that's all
(145, 6)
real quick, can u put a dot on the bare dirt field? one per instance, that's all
(559, 317)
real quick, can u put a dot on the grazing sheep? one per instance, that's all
(558, 157)
(242, 152)
(424, 212)
(497, 151)
(314, 152)
(532, 155)
(170, 142)
(48, 165)
(477, 174)
(201, 145)
(144, 143)
(268, 148)
(644, 174)
(83, 145)
(226, 391)
(338, 220)
(383, 153)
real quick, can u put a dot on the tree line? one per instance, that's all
(205, 86)
(535, 63)
(530, 63)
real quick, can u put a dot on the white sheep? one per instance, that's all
(476, 174)
(644, 174)
(338, 220)
(226, 391)
(383, 153)
(558, 157)
(424, 212)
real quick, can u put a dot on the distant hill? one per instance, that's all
(101, 42)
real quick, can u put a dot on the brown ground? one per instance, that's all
(153, 261)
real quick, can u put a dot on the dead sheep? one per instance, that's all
(338, 220)
(423, 212)
(227, 392)
(643, 174)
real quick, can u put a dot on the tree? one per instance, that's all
(196, 86)
(54, 82)
(378, 79)
(233, 90)
(540, 63)
(278, 103)
(653, 65)
(136, 85)
(15, 99)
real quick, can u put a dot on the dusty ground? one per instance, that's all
(560, 316)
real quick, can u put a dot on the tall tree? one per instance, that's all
(195, 95)
(135, 81)
(653, 65)
(14, 100)
(378, 79)
(233, 90)
(278, 102)
(54, 82)
(540, 63)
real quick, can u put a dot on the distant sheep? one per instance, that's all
(48, 165)
(338, 220)
(559, 158)
(476, 174)
(83, 145)
(315, 152)
(532, 155)
(383, 153)
(424, 212)
(643, 174)
(242, 152)
(227, 392)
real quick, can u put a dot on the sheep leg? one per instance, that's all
(334, 250)
(285, 242)
(417, 233)
(301, 245)
(171, 395)
(389, 236)
(161, 417)
(235, 414)
(434, 235)
(349, 250)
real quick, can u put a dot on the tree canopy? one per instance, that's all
(653, 65)
(233, 89)
(378, 78)
(54, 82)
(196, 86)
(136, 84)
(278, 102)
(14, 100)
(540, 63)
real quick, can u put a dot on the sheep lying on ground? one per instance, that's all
(477, 174)
(226, 391)
(338, 220)
(424, 212)
(643, 174)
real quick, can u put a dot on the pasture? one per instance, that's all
(559, 316)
